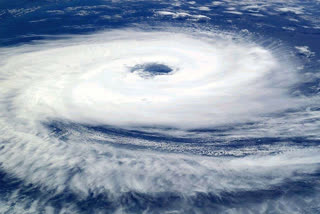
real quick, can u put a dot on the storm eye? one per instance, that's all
(151, 69)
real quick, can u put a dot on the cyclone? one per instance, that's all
(158, 119)
(205, 80)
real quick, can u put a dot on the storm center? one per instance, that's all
(151, 69)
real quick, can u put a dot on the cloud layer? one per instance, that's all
(215, 80)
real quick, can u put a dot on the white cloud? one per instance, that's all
(296, 10)
(182, 15)
(204, 8)
(305, 50)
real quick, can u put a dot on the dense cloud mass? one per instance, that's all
(159, 118)
(213, 80)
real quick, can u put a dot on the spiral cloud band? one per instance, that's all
(64, 106)
(209, 81)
